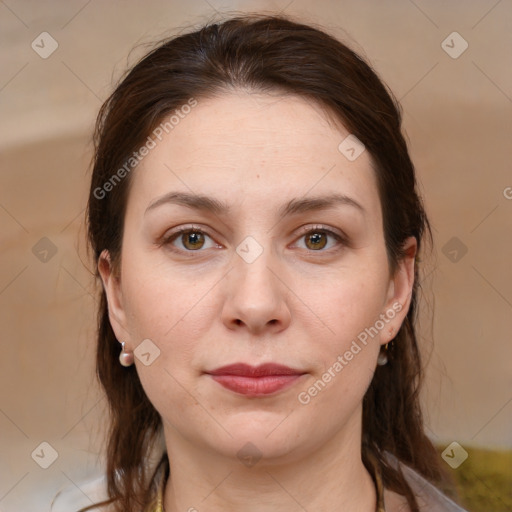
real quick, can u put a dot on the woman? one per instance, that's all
(255, 220)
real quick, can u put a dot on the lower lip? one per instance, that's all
(256, 386)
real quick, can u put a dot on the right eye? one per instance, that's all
(190, 238)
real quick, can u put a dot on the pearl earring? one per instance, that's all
(383, 357)
(125, 357)
(383, 354)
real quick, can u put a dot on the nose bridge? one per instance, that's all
(253, 262)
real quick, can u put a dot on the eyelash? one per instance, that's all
(167, 240)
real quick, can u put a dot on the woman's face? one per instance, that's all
(275, 269)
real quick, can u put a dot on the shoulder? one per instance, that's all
(74, 497)
(429, 497)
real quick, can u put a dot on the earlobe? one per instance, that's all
(112, 286)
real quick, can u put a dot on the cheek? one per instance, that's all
(158, 300)
(172, 313)
(347, 303)
(345, 353)
(174, 310)
(346, 347)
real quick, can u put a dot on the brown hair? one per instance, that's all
(264, 54)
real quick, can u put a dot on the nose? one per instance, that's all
(256, 296)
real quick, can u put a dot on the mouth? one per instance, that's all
(256, 381)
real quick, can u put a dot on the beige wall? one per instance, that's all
(457, 114)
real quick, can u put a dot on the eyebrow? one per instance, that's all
(293, 207)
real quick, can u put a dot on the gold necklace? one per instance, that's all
(377, 480)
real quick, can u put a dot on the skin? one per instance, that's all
(297, 304)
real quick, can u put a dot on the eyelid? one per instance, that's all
(303, 230)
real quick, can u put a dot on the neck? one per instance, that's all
(330, 477)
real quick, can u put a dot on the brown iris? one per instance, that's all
(194, 238)
(315, 239)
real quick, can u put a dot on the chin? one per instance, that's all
(255, 438)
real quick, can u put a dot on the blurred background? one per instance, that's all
(449, 65)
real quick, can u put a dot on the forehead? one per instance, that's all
(254, 145)
(274, 124)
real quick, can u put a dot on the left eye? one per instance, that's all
(316, 239)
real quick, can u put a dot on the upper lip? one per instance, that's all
(243, 369)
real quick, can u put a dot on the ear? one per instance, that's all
(112, 287)
(400, 292)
